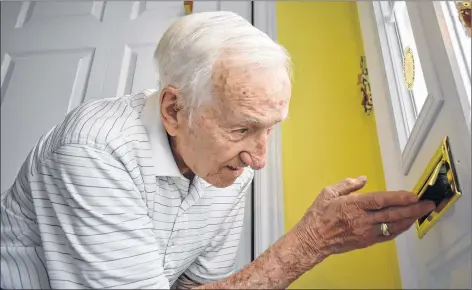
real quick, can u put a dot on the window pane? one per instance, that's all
(419, 92)
(461, 39)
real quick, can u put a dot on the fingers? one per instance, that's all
(379, 200)
(346, 186)
(400, 226)
(393, 214)
(394, 229)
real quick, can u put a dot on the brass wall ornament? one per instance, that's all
(363, 82)
(464, 11)
(188, 6)
(409, 68)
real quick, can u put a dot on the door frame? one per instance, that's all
(268, 218)
(395, 165)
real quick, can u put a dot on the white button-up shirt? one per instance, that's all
(100, 203)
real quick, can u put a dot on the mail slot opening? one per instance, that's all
(439, 184)
(440, 192)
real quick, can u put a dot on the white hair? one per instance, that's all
(188, 50)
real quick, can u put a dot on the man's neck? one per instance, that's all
(183, 168)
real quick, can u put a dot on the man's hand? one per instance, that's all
(340, 221)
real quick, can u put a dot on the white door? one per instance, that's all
(413, 121)
(56, 55)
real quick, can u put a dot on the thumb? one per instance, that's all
(347, 186)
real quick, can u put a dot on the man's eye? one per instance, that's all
(241, 131)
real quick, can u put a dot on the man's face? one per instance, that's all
(233, 131)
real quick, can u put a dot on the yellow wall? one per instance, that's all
(327, 137)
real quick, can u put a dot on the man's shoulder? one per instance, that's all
(105, 124)
(99, 122)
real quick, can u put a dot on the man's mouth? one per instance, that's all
(234, 168)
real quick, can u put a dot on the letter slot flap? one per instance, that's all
(439, 184)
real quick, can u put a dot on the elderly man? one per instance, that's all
(147, 191)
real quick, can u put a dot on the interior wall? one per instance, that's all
(327, 136)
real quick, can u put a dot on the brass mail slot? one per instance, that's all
(439, 184)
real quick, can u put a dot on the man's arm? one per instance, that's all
(269, 271)
(276, 268)
(336, 222)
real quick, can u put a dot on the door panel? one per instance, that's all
(61, 11)
(56, 55)
(444, 254)
(135, 73)
(33, 100)
(441, 259)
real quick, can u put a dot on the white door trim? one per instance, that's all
(268, 185)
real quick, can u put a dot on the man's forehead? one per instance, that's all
(251, 95)
(255, 88)
(268, 112)
(228, 74)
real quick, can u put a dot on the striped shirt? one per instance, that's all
(100, 203)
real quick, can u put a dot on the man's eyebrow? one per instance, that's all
(252, 119)
(256, 120)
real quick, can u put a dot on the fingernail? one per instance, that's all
(431, 205)
(414, 197)
(362, 178)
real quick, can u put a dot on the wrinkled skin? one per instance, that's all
(340, 221)
(233, 130)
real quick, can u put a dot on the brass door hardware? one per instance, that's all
(439, 184)
(188, 6)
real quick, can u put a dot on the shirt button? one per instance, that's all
(171, 243)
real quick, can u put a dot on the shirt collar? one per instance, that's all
(164, 162)
(163, 159)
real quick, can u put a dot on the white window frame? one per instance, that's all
(410, 141)
(440, 60)
(395, 47)
(457, 60)
(452, 23)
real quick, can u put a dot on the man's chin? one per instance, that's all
(224, 177)
(219, 182)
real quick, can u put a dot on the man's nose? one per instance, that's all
(256, 158)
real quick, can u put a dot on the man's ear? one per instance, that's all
(170, 105)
